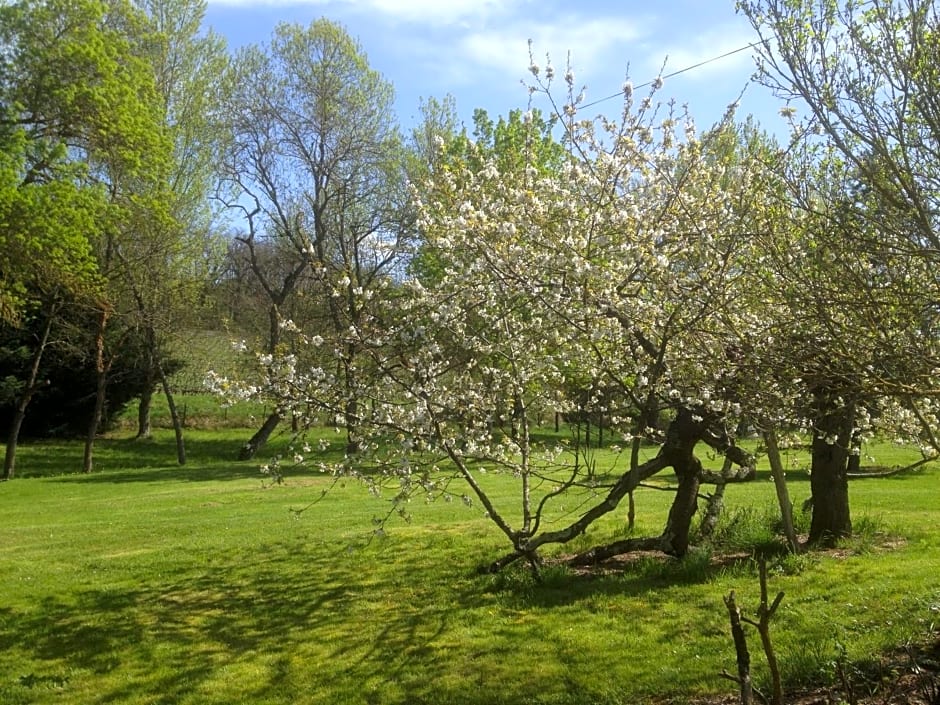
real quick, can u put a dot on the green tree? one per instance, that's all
(76, 132)
(168, 268)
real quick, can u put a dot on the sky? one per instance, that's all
(478, 50)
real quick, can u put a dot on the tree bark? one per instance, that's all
(257, 441)
(684, 506)
(780, 484)
(101, 387)
(765, 613)
(9, 459)
(634, 464)
(144, 429)
(351, 418)
(174, 413)
(829, 482)
(716, 503)
(146, 396)
(681, 438)
(743, 679)
(601, 553)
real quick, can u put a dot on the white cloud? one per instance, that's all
(477, 50)
(425, 12)
(701, 52)
(433, 12)
(595, 45)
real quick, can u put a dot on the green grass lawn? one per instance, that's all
(150, 583)
(201, 411)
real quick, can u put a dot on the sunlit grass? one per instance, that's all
(146, 582)
(198, 411)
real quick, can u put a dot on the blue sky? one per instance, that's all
(477, 50)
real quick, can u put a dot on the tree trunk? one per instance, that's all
(716, 503)
(780, 484)
(743, 679)
(9, 459)
(351, 418)
(684, 432)
(681, 437)
(174, 414)
(101, 387)
(854, 465)
(829, 480)
(144, 405)
(634, 464)
(257, 441)
(144, 429)
(830, 492)
(684, 506)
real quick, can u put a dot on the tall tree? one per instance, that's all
(131, 165)
(76, 122)
(168, 270)
(317, 164)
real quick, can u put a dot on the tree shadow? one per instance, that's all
(171, 641)
(211, 457)
(636, 575)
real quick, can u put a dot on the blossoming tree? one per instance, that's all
(623, 265)
(638, 270)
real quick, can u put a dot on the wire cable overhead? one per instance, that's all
(675, 73)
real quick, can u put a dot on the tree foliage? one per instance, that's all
(83, 159)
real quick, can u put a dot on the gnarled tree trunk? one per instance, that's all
(681, 437)
(683, 434)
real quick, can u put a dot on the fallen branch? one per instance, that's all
(602, 553)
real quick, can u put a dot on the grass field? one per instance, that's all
(150, 583)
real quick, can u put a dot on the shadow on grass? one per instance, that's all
(210, 456)
(237, 633)
(128, 460)
(282, 625)
(632, 575)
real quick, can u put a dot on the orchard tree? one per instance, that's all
(867, 320)
(617, 266)
(867, 74)
(316, 163)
